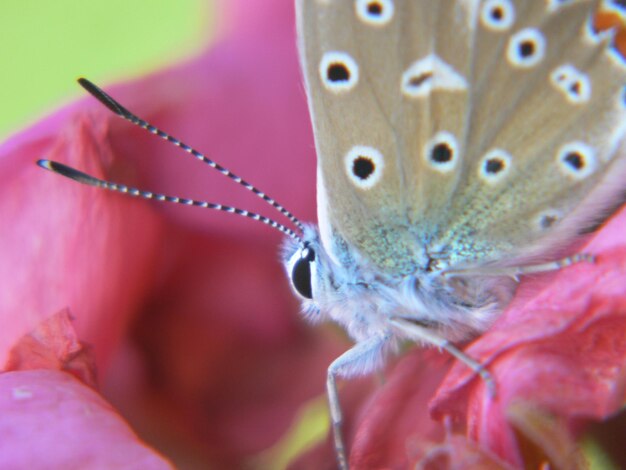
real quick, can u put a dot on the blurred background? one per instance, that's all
(47, 45)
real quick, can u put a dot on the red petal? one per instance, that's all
(397, 417)
(561, 349)
(54, 345)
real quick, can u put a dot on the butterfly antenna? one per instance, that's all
(84, 178)
(121, 111)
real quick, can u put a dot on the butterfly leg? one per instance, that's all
(516, 271)
(364, 357)
(425, 335)
(553, 265)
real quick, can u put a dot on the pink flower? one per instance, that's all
(195, 333)
(184, 321)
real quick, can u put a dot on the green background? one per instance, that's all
(47, 44)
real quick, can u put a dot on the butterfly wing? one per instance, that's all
(548, 99)
(382, 221)
(463, 130)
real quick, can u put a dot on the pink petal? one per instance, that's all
(225, 345)
(51, 420)
(110, 260)
(66, 245)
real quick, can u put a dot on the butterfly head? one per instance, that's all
(342, 285)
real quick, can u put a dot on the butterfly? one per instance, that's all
(461, 145)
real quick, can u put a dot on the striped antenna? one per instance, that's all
(121, 111)
(84, 178)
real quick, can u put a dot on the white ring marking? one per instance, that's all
(587, 154)
(375, 19)
(504, 8)
(442, 137)
(528, 37)
(341, 59)
(368, 153)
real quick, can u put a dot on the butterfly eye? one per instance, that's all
(498, 15)
(495, 165)
(574, 84)
(526, 48)
(441, 152)
(577, 160)
(302, 273)
(339, 72)
(374, 12)
(364, 166)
